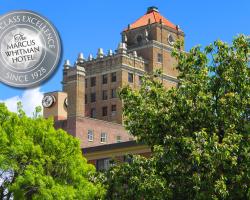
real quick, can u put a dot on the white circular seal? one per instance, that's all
(30, 48)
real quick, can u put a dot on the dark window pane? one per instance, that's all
(104, 111)
(103, 164)
(113, 77)
(93, 97)
(159, 57)
(104, 79)
(130, 78)
(93, 81)
(86, 83)
(93, 113)
(86, 98)
(104, 95)
(113, 110)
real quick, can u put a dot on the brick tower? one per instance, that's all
(152, 36)
(74, 86)
(88, 106)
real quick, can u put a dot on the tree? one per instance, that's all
(39, 162)
(199, 131)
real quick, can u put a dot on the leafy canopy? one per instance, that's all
(39, 162)
(199, 130)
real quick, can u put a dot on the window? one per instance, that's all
(130, 78)
(103, 137)
(140, 80)
(118, 138)
(104, 95)
(90, 135)
(128, 158)
(93, 113)
(86, 83)
(103, 164)
(93, 97)
(113, 77)
(105, 79)
(86, 98)
(113, 110)
(139, 39)
(93, 81)
(113, 93)
(104, 111)
(159, 57)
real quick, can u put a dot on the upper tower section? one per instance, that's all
(152, 36)
(151, 26)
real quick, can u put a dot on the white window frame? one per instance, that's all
(118, 140)
(90, 135)
(104, 137)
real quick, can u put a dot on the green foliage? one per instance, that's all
(199, 131)
(39, 162)
(135, 180)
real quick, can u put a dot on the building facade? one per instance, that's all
(88, 106)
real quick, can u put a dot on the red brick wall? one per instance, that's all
(99, 126)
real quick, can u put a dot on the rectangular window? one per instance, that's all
(104, 95)
(90, 135)
(103, 137)
(127, 158)
(118, 138)
(93, 113)
(105, 79)
(159, 57)
(86, 83)
(93, 81)
(93, 97)
(113, 110)
(130, 78)
(86, 98)
(103, 164)
(113, 77)
(113, 93)
(104, 111)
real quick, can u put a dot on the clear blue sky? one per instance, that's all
(87, 25)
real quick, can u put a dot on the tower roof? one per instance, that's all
(152, 16)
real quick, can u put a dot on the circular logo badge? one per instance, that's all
(30, 48)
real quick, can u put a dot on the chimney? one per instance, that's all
(74, 86)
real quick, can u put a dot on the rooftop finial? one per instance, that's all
(110, 53)
(66, 64)
(152, 9)
(100, 53)
(122, 48)
(90, 57)
(134, 53)
(80, 58)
